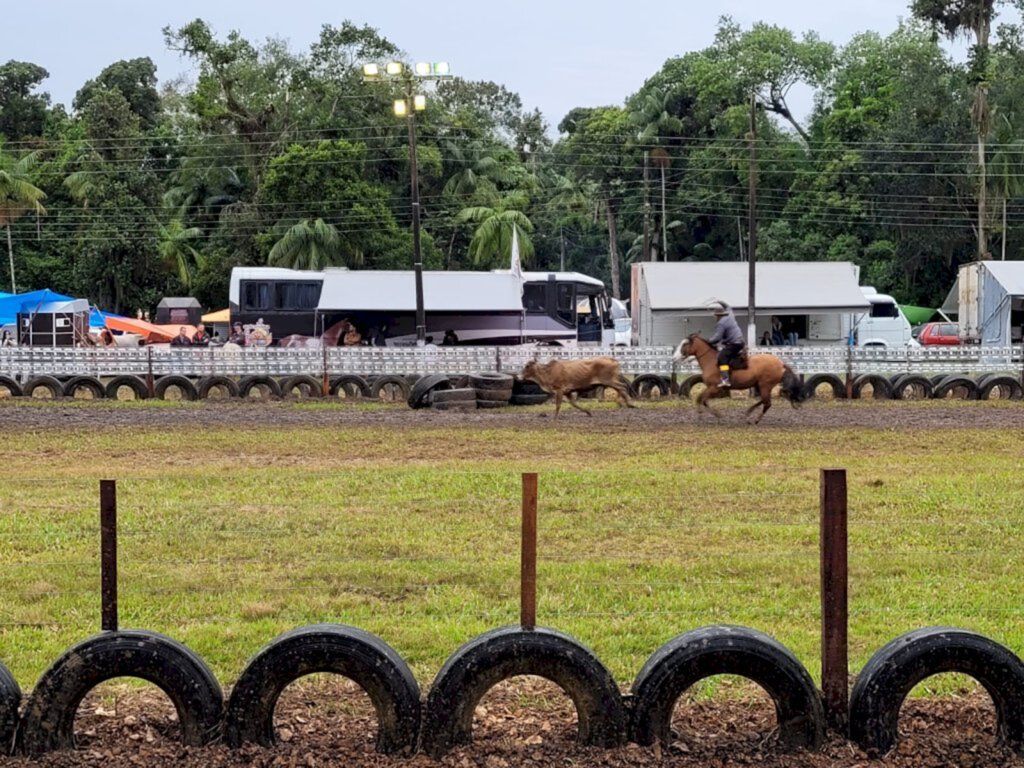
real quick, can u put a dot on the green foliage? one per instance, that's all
(135, 80)
(22, 112)
(491, 245)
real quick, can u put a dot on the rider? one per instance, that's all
(729, 336)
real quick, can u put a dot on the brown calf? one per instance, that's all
(563, 378)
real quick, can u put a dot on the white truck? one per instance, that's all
(884, 325)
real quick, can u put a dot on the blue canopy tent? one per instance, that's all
(11, 305)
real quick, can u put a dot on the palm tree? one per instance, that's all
(477, 170)
(18, 196)
(1007, 167)
(650, 114)
(309, 246)
(177, 251)
(492, 239)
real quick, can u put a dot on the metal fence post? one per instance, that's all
(150, 383)
(108, 555)
(834, 598)
(528, 559)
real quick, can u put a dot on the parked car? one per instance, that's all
(940, 334)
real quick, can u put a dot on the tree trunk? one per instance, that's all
(664, 223)
(10, 255)
(982, 198)
(1004, 229)
(982, 118)
(613, 247)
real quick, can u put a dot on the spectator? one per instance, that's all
(182, 339)
(777, 338)
(351, 336)
(430, 342)
(450, 339)
(107, 338)
(200, 339)
(237, 334)
(7, 340)
(766, 339)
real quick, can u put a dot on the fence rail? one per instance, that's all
(22, 363)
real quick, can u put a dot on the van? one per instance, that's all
(884, 325)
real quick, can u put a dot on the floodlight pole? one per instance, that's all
(752, 230)
(417, 253)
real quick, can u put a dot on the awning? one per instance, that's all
(783, 287)
(392, 291)
(153, 334)
(222, 316)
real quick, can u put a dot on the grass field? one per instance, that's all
(231, 535)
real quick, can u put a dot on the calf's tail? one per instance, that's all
(792, 387)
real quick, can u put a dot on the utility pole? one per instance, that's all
(647, 214)
(417, 253)
(561, 237)
(752, 229)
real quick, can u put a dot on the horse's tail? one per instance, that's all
(792, 387)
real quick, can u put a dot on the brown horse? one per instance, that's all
(763, 373)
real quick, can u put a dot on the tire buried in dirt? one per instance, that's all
(358, 655)
(643, 386)
(503, 653)
(727, 650)
(881, 387)
(1004, 387)
(956, 387)
(421, 392)
(688, 384)
(181, 383)
(138, 387)
(890, 675)
(307, 387)
(350, 387)
(49, 383)
(211, 383)
(396, 386)
(10, 387)
(10, 700)
(911, 387)
(267, 386)
(93, 386)
(500, 381)
(817, 380)
(48, 721)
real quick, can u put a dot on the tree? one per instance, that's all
(650, 112)
(1007, 168)
(18, 196)
(135, 80)
(476, 169)
(22, 112)
(309, 246)
(958, 18)
(178, 252)
(492, 240)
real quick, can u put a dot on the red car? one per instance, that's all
(933, 334)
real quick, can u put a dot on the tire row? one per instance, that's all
(407, 722)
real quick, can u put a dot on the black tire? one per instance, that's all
(183, 384)
(10, 386)
(727, 650)
(458, 406)
(308, 387)
(396, 387)
(48, 722)
(138, 387)
(501, 381)
(267, 386)
(1005, 388)
(10, 700)
(881, 387)
(502, 653)
(88, 384)
(459, 382)
(688, 384)
(363, 658)
(211, 383)
(893, 671)
(524, 387)
(829, 380)
(419, 397)
(349, 387)
(443, 396)
(645, 385)
(529, 399)
(494, 395)
(912, 387)
(956, 387)
(53, 387)
(938, 379)
(491, 404)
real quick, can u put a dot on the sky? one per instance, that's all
(556, 54)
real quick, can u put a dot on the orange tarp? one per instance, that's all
(152, 333)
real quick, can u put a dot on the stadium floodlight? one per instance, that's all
(419, 102)
(394, 68)
(401, 107)
(423, 69)
(371, 71)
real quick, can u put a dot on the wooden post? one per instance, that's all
(150, 382)
(834, 599)
(528, 560)
(108, 555)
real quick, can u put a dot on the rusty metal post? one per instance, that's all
(108, 554)
(834, 599)
(323, 346)
(150, 383)
(849, 371)
(528, 560)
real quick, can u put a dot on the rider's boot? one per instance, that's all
(724, 370)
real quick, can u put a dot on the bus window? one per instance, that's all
(256, 296)
(567, 303)
(534, 298)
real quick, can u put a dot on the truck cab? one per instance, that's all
(883, 325)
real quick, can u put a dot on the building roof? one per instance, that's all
(790, 287)
(178, 302)
(395, 291)
(574, 277)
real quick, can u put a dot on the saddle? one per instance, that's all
(739, 362)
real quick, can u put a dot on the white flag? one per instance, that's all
(517, 265)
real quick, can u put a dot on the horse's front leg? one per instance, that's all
(707, 394)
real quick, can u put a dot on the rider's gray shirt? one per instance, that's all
(727, 331)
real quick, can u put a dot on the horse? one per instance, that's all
(763, 373)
